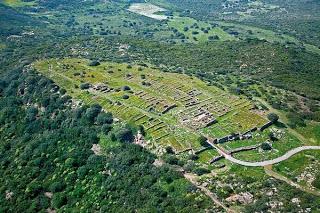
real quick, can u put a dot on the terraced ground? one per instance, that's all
(175, 109)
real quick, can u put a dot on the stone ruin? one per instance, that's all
(102, 88)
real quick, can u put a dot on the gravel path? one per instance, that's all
(267, 162)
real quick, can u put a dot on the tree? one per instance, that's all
(169, 150)
(266, 146)
(272, 136)
(203, 141)
(125, 96)
(124, 135)
(84, 86)
(58, 200)
(94, 63)
(316, 182)
(126, 88)
(142, 130)
(57, 186)
(106, 128)
(104, 118)
(171, 159)
(201, 171)
(273, 117)
(92, 112)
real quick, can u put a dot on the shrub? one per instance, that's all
(57, 187)
(125, 96)
(124, 135)
(171, 159)
(126, 88)
(94, 63)
(59, 200)
(201, 171)
(273, 117)
(84, 86)
(203, 141)
(169, 150)
(266, 146)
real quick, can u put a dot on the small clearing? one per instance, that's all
(148, 10)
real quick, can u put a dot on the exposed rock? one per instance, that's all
(139, 140)
(243, 198)
(295, 200)
(158, 163)
(9, 195)
(51, 210)
(48, 194)
(96, 148)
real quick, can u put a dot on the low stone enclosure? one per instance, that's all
(242, 136)
(241, 149)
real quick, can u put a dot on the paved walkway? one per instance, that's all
(267, 162)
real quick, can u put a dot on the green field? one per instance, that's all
(198, 30)
(201, 31)
(307, 162)
(18, 3)
(312, 132)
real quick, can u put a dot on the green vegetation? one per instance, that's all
(19, 3)
(66, 133)
(195, 31)
(47, 161)
(302, 168)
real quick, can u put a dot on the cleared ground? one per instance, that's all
(148, 10)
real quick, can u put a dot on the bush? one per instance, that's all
(58, 200)
(84, 86)
(94, 63)
(124, 135)
(316, 182)
(272, 137)
(56, 187)
(273, 117)
(295, 120)
(266, 146)
(169, 150)
(106, 128)
(125, 96)
(104, 118)
(203, 141)
(201, 171)
(126, 88)
(171, 159)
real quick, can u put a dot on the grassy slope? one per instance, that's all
(18, 3)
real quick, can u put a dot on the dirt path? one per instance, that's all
(193, 179)
(270, 172)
